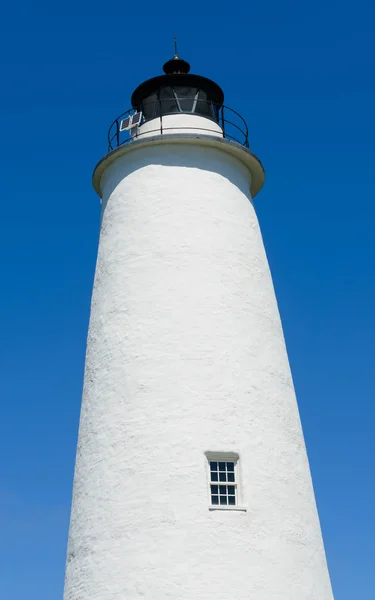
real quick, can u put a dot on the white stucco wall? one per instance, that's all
(186, 355)
(179, 123)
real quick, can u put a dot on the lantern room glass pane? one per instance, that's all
(186, 98)
(178, 99)
(168, 101)
(204, 106)
(150, 107)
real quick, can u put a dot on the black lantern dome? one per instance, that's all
(178, 91)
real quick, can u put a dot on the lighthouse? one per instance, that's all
(191, 480)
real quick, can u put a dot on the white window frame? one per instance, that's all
(225, 457)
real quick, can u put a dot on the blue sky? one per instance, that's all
(302, 75)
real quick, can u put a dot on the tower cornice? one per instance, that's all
(248, 158)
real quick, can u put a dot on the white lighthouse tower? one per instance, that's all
(192, 480)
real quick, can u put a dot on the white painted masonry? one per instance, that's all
(180, 123)
(185, 356)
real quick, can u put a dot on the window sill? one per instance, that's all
(223, 507)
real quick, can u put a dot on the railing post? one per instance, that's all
(161, 118)
(222, 120)
(117, 133)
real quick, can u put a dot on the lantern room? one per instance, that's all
(178, 91)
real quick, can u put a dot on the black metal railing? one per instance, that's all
(233, 126)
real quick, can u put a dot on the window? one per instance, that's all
(150, 107)
(223, 475)
(178, 99)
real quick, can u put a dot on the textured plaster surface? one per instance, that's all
(180, 123)
(186, 355)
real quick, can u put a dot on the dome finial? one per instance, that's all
(176, 65)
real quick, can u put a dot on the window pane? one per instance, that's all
(223, 482)
(186, 96)
(168, 101)
(150, 107)
(215, 110)
(204, 105)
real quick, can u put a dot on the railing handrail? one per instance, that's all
(114, 130)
